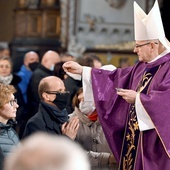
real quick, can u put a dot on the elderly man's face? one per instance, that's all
(142, 48)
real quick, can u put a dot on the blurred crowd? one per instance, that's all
(42, 97)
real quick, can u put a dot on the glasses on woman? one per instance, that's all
(12, 102)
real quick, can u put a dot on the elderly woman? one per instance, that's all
(8, 108)
(90, 134)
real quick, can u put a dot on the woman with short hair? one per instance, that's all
(8, 108)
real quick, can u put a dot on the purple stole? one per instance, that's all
(132, 133)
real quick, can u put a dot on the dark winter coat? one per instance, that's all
(48, 119)
(32, 91)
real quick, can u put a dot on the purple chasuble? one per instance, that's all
(154, 145)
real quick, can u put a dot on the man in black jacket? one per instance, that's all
(52, 116)
(44, 69)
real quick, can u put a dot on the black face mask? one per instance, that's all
(33, 65)
(61, 100)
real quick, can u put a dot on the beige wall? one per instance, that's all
(6, 19)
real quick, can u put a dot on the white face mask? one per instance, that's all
(52, 67)
(87, 107)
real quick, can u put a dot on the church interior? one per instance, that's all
(103, 27)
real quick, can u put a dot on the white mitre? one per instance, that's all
(149, 27)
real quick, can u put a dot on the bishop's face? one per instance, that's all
(143, 50)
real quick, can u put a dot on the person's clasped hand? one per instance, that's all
(70, 128)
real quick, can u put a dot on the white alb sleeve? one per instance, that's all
(145, 122)
(87, 86)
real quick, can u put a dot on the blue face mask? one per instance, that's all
(52, 67)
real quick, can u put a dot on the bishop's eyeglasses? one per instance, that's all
(141, 45)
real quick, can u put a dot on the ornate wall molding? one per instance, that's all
(64, 22)
(96, 23)
(116, 3)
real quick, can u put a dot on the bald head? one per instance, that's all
(30, 57)
(50, 83)
(54, 153)
(50, 58)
